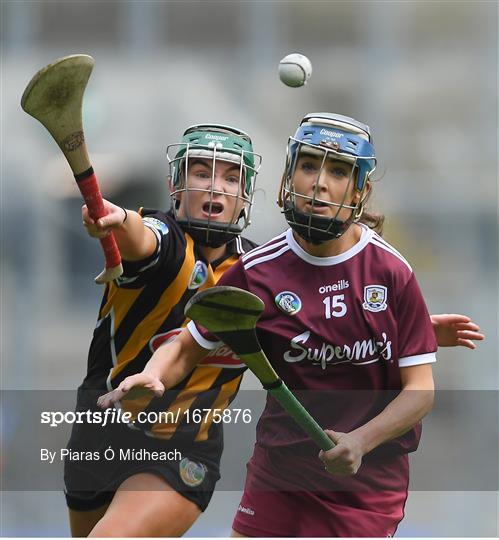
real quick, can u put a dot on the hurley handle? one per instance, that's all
(89, 188)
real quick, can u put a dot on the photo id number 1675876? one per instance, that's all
(225, 416)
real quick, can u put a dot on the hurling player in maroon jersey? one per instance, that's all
(345, 326)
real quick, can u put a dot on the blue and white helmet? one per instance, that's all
(328, 135)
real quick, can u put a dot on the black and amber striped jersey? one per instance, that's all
(143, 309)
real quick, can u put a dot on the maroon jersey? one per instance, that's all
(336, 329)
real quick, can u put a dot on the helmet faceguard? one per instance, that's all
(213, 143)
(327, 136)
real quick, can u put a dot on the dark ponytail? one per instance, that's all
(373, 221)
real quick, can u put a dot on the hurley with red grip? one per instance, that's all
(54, 97)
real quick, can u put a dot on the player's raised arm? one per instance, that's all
(169, 365)
(135, 241)
(452, 330)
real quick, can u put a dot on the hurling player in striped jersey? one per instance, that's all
(345, 326)
(167, 258)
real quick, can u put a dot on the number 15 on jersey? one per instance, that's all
(335, 306)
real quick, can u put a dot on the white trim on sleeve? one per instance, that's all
(408, 361)
(210, 345)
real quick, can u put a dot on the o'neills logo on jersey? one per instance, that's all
(359, 353)
(199, 275)
(222, 357)
(375, 298)
(338, 286)
(288, 302)
(245, 510)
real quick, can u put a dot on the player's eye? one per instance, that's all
(202, 174)
(232, 179)
(308, 166)
(339, 172)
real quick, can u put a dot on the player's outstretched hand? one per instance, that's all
(452, 330)
(345, 458)
(132, 387)
(102, 227)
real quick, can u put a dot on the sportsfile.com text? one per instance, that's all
(118, 416)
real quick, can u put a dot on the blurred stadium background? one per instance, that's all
(423, 75)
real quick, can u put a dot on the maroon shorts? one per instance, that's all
(293, 496)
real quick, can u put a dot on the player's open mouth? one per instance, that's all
(316, 207)
(213, 208)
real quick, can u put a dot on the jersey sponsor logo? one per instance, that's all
(288, 302)
(222, 356)
(157, 224)
(331, 133)
(162, 339)
(245, 510)
(375, 298)
(199, 275)
(338, 286)
(191, 472)
(367, 351)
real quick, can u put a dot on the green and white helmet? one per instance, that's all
(216, 143)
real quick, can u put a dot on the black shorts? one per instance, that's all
(100, 459)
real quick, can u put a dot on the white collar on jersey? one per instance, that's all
(365, 237)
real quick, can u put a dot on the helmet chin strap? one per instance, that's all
(315, 229)
(216, 236)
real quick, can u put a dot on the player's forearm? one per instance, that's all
(172, 362)
(400, 415)
(168, 365)
(135, 241)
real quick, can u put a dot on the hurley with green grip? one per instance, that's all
(231, 314)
